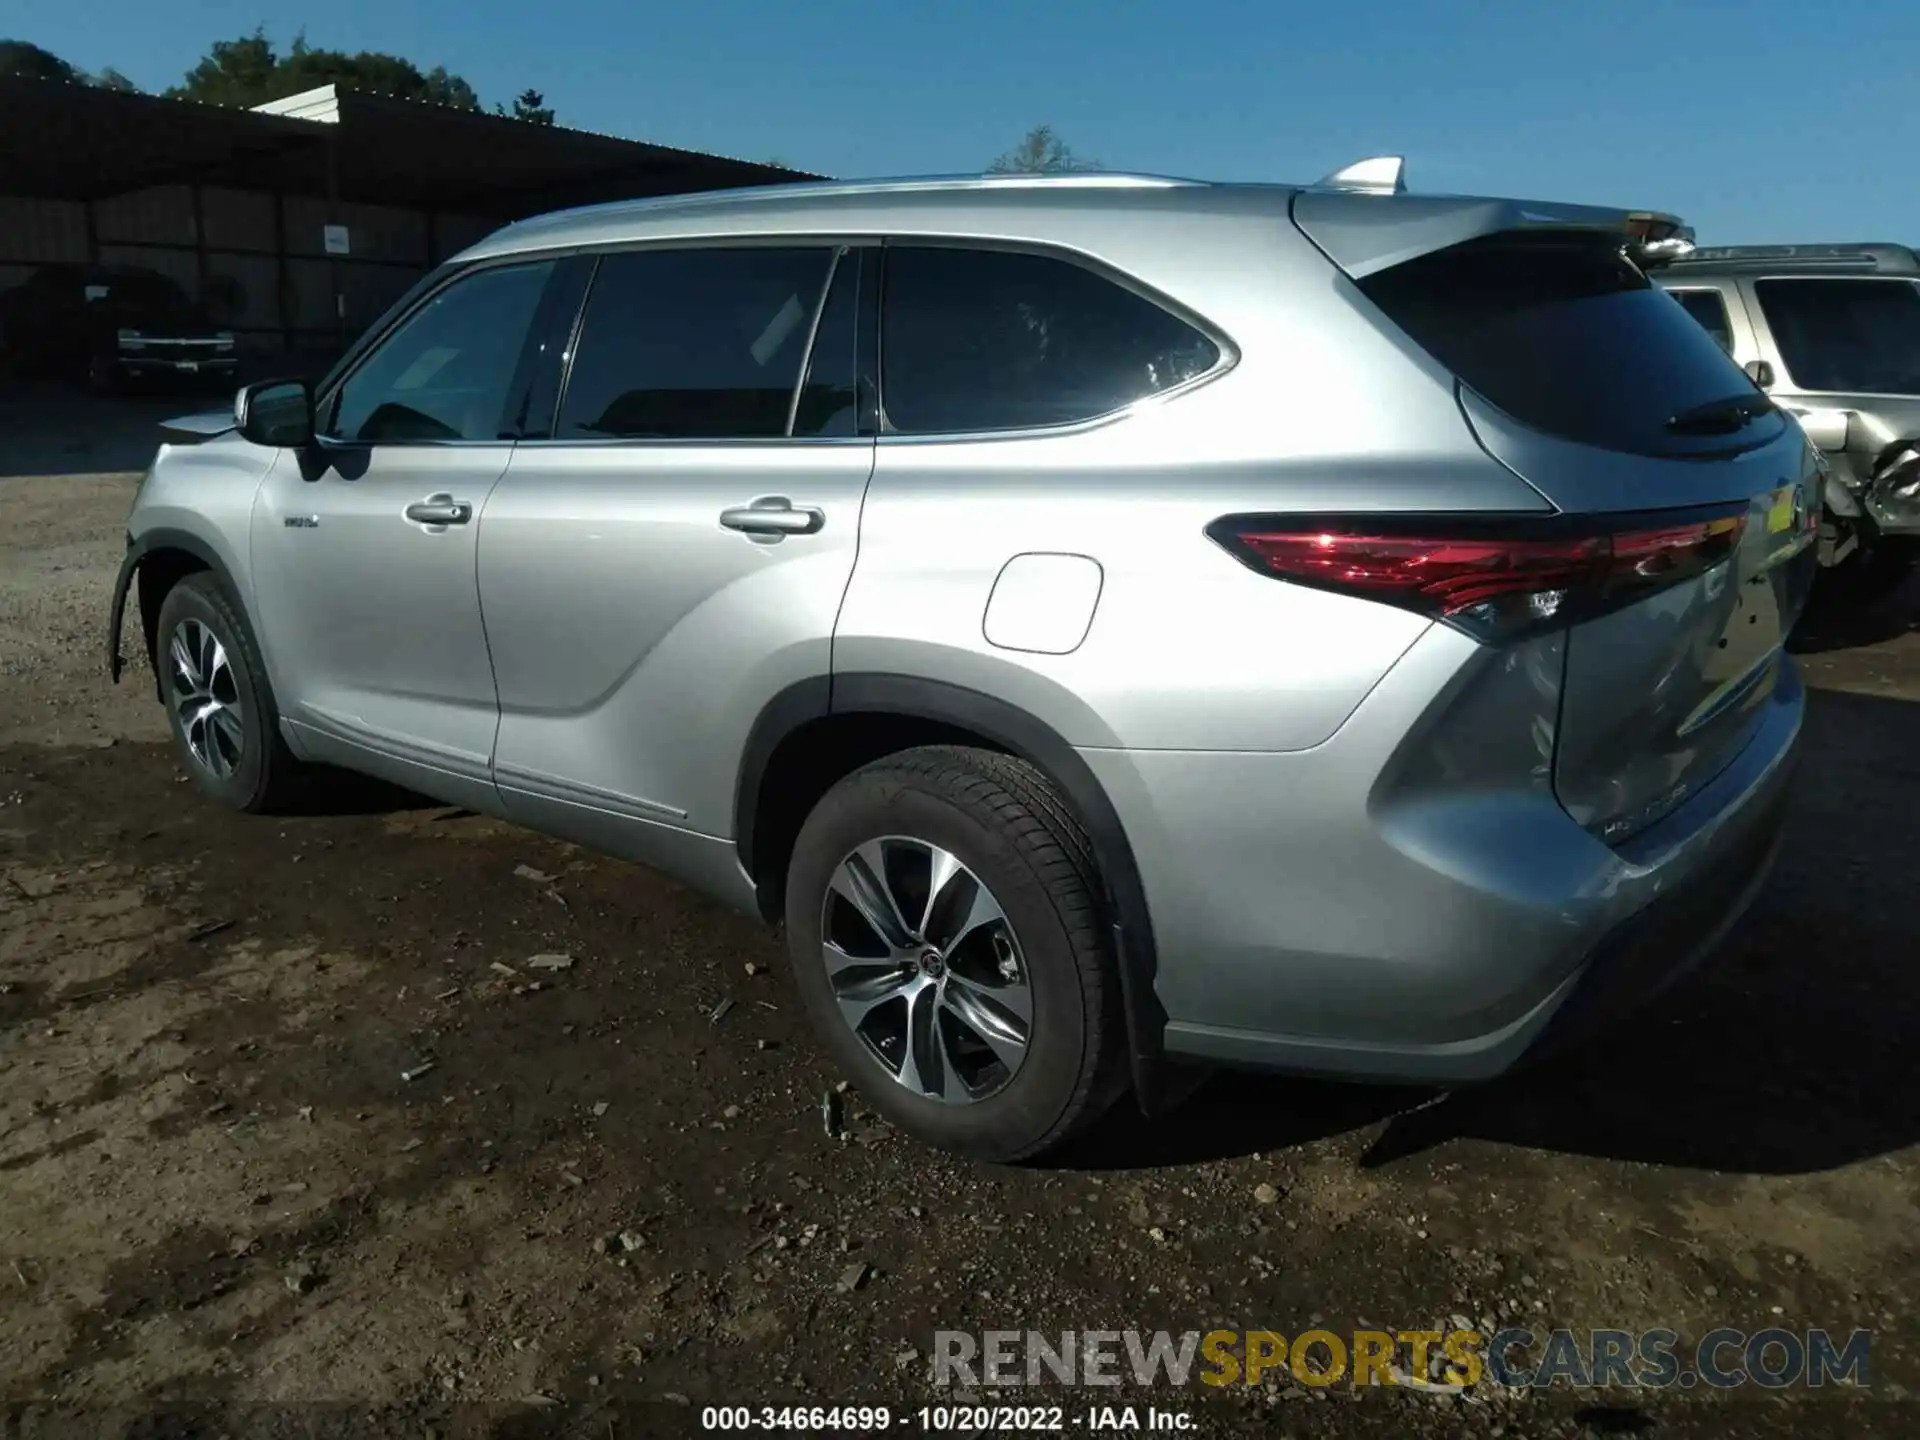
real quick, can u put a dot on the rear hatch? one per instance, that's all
(1695, 500)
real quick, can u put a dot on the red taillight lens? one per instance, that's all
(1495, 579)
(1646, 560)
(1443, 575)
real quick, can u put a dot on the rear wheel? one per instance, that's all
(1872, 573)
(219, 706)
(944, 923)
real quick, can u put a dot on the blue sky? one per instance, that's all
(1764, 121)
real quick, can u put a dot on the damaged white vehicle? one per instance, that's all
(1832, 334)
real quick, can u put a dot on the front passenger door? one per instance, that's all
(364, 550)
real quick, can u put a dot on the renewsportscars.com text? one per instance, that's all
(1725, 1358)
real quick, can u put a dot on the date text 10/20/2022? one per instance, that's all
(938, 1419)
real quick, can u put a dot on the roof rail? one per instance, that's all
(1376, 175)
(1874, 258)
(749, 195)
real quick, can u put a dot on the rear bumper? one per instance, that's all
(1666, 941)
(1440, 950)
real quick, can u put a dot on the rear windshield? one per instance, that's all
(1565, 335)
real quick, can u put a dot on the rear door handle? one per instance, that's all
(440, 510)
(773, 515)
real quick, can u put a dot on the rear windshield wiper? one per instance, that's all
(1720, 417)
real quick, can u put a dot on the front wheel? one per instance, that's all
(219, 706)
(944, 920)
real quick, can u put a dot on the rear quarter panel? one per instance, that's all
(1325, 409)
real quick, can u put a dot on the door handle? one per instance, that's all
(773, 515)
(440, 510)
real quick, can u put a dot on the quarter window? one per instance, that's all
(444, 373)
(693, 344)
(999, 340)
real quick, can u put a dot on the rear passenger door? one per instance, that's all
(674, 553)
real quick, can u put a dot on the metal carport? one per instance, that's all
(238, 205)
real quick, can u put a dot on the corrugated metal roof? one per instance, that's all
(82, 142)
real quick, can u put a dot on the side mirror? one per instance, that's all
(278, 413)
(1760, 372)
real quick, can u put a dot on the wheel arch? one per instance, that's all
(161, 558)
(814, 732)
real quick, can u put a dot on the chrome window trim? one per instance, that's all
(1228, 360)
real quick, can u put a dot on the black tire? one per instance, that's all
(265, 776)
(1002, 819)
(103, 376)
(1871, 575)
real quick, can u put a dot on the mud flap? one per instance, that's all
(116, 663)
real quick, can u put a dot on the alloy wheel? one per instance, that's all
(206, 699)
(927, 970)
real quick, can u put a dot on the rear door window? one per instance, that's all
(693, 344)
(1859, 336)
(1565, 335)
(1709, 308)
(975, 340)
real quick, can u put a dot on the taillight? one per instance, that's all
(1495, 578)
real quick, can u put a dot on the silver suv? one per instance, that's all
(1832, 333)
(1113, 621)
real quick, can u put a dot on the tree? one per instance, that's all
(30, 62)
(1042, 152)
(531, 107)
(234, 72)
(250, 71)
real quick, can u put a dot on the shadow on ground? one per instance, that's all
(1774, 1059)
(1829, 625)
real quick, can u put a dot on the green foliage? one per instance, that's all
(249, 70)
(1041, 152)
(531, 106)
(29, 61)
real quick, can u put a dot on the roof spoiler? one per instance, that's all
(1362, 218)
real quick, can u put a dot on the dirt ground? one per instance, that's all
(297, 1136)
